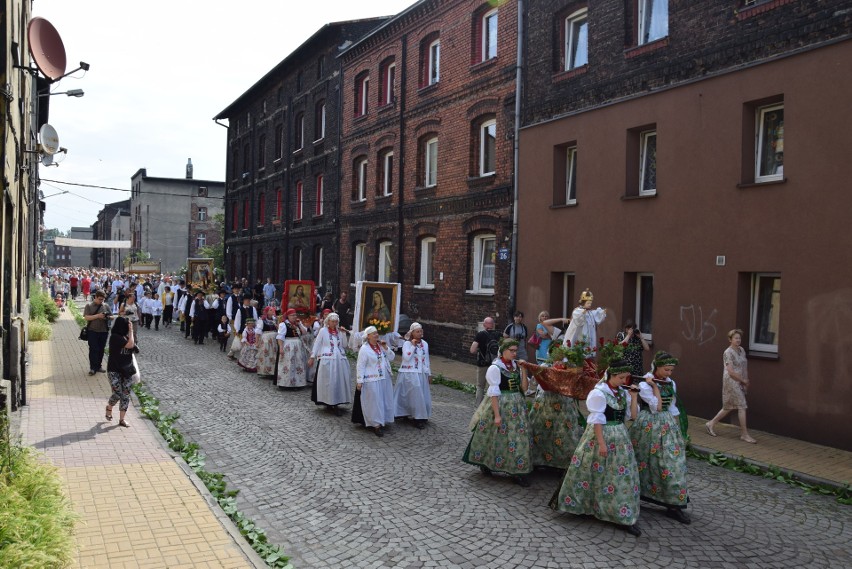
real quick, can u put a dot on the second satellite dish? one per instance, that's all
(49, 139)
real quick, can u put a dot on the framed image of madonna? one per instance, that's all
(300, 295)
(377, 304)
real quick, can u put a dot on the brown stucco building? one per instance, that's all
(426, 166)
(692, 172)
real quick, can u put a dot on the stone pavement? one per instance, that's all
(334, 495)
(808, 461)
(140, 506)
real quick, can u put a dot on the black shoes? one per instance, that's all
(679, 515)
(420, 424)
(379, 432)
(633, 530)
(522, 481)
(485, 471)
(91, 372)
(101, 370)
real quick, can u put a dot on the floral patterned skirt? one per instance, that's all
(248, 357)
(505, 448)
(557, 426)
(267, 351)
(604, 487)
(292, 364)
(660, 458)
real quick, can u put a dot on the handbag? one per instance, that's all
(535, 339)
(84, 333)
(128, 370)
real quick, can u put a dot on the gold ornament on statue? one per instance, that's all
(587, 296)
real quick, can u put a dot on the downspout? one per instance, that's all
(226, 201)
(338, 202)
(400, 263)
(513, 267)
(285, 191)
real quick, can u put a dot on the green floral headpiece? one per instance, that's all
(664, 359)
(615, 370)
(506, 343)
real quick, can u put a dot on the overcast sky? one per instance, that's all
(160, 71)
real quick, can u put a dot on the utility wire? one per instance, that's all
(126, 190)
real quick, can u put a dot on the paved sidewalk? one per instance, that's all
(140, 506)
(808, 461)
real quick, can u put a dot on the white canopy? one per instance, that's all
(92, 243)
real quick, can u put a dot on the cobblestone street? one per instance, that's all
(334, 495)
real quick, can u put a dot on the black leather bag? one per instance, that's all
(84, 333)
(128, 371)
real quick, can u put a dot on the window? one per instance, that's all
(261, 209)
(318, 209)
(648, 163)
(319, 121)
(278, 204)
(362, 93)
(299, 132)
(769, 152)
(385, 262)
(246, 213)
(359, 180)
(300, 82)
(645, 304)
(487, 147)
(235, 166)
(320, 67)
(261, 151)
(385, 178)
(318, 265)
(765, 309)
(489, 35)
(430, 161)
(246, 158)
(299, 200)
(387, 96)
(434, 62)
(571, 175)
(577, 39)
(202, 191)
(427, 256)
(279, 141)
(297, 263)
(200, 240)
(360, 265)
(483, 256)
(202, 214)
(653, 20)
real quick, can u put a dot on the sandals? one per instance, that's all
(108, 415)
(748, 439)
(124, 423)
(710, 430)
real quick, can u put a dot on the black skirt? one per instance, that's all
(357, 413)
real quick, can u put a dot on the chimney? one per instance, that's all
(189, 168)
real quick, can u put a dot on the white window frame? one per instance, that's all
(479, 263)
(322, 123)
(319, 252)
(487, 18)
(755, 305)
(761, 113)
(427, 259)
(298, 254)
(300, 128)
(300, 200)
(433, 71)
(483, 137)
(387, 173)
(364, 88)
(646, 334)
(430, 161)
(202, 214)
(644, 6)
(360, 262)
(361, 172)
(573, 24)
(390, 78)
(644, 137)
(385, 262)
(319, 190)
(200, 240)
(571, 175)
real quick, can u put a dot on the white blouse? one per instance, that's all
(646, 392)
(328, 345)
(596, 404)
(493, 376)
(372, 366)
(415, 358)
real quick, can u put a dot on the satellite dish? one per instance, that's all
(49, 139)
(47, 159)
(46, 48)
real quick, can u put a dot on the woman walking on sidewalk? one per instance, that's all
(119, 366)
(734, 385)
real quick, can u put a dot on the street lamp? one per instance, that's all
(70, 92)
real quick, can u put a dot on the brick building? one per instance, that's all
(282, 165)
(426, 166)
(685, 159)
(102, 230)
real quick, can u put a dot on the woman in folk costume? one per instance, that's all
(411, 395)
(250, 340)
(267, 345)
(373, 405)
(501, 433)
(332, 384)
(657, 440)
(584, 322)
(292, 367)
(557, 425)
(602, 478)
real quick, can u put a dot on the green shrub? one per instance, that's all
(41, 305)
(40, 330)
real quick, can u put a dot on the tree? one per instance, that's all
(217, 250)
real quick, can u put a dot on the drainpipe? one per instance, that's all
(400, 252)
(513, 268)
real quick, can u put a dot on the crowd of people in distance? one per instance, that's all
(629, 446)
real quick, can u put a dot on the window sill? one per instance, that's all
(277, 160)
(383, 199)
(319, 141)
(358, 204)
(747, 185)
(480, 65)
(752, 11)
(479, 181)
(570, 74)
(298, 151)
(564, 205)
(261, 170)
(639, 197)
(480, 294)
(758, 355)
(425, 192)
(317, 217)
(360, 118)
(424, 289)
(387, 107)
(638, 50)
(426, 89)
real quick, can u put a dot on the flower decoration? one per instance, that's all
(382, 326)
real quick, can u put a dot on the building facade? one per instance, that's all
(283, 194)
(102, 231)
(684, 160)
(170, 218)
(119, 231)
(427, 163)
(81, 257)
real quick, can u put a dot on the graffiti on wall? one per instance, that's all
(698, 327)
